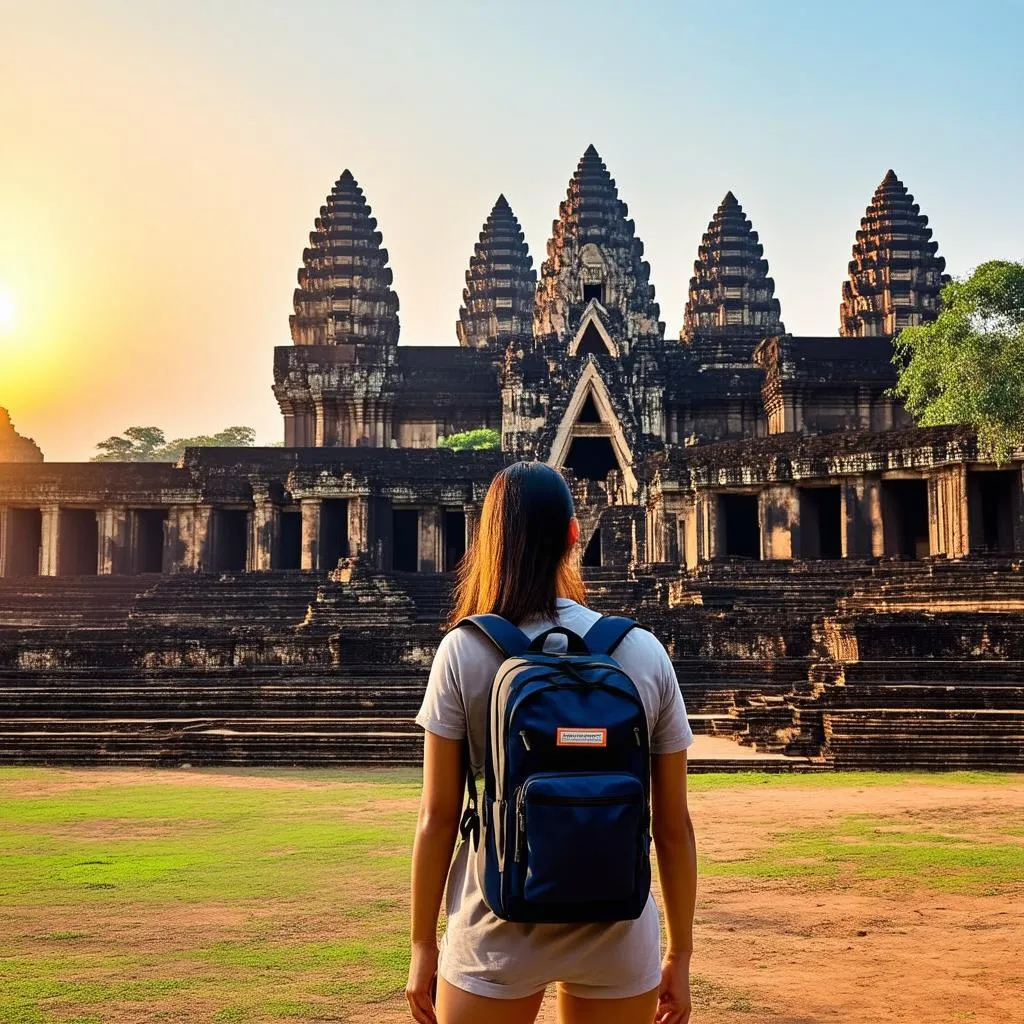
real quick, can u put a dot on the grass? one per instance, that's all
(877, 847)
(207, 896)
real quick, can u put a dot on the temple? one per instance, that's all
(836, 586)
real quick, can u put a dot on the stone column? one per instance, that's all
(264, 536)
(177, 542)
(49, 553)
(688, 529)
(5, 540)
(310, 509)
(948, 519)
(872, 515)
(319, 440)
(359, 539)
(430, 538)
(472, 524)
(779, 508)
(198, 541)
(707, 526)
(115, 541)
(1018, 511)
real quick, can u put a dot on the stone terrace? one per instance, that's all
(848, 663)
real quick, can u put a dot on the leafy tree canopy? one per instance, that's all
(482, 439)
(968, 365)
(149, 444)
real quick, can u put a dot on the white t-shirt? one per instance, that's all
(490, 957)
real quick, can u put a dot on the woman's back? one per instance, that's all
(479, 950)
(523, 565)
(455, 704)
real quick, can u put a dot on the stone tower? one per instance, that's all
(587, 397)
(895, 276)
(14, 447)
(344, 295)
(731, 304)
(500, 284)
(334, 385)
(594, 255)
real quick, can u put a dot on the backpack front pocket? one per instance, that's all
(579, 836)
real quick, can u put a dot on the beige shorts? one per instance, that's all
(486, 956)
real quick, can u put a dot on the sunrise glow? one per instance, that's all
(8, 313)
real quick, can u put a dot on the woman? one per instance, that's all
(490, 971)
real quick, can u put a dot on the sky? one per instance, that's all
(162, 163)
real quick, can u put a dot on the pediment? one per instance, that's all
(590, 414)
(592, 334)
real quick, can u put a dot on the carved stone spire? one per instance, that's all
(895, 276)
(344, 295)
(500, 284)
(594, 254)
(14, 447)
(731, 297)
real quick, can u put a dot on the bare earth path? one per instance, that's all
(894, 900)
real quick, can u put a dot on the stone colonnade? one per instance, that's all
(311, 533)
(952, 510)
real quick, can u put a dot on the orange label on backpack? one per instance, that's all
(568, 737)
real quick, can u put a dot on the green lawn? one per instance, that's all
(277, 896)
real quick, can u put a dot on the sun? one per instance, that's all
(7, 312)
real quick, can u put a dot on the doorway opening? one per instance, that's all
(994, 496)
(739, 526)
(454, 527)
(23, 541)
(821, 534)
(290, 550)
(333, 532)
(905, 518)
(79, 542)
(230, 539)
(591, 458)
(406, 540)
(149, 539)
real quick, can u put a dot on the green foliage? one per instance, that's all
(481, 439)
(968, 365)
(149, 444)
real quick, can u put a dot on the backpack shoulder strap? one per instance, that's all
(608, 632)
(509, 639)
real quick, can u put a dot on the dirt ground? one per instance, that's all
(792, 950)
(798, 952)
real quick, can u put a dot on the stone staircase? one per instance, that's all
(70, 602)
(863, 664)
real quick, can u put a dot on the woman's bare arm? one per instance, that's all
(436, 831)
(676, 847)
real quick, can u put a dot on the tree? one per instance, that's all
(137, 444)
(149, 444)
(481, 439)
(968, 365)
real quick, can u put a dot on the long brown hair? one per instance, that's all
(520, 561)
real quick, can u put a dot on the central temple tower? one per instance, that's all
(585, 392)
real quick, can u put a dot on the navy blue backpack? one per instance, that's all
(564, 833)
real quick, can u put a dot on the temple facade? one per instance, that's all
(736, 439)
